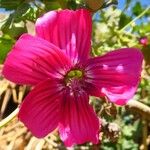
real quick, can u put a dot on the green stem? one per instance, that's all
(139, 16)
(145, 133)
(9, 118)
(62, 3)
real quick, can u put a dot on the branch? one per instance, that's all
(139, 108)
(9, 118)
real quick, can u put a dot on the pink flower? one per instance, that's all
(57, 62)
(143, 41)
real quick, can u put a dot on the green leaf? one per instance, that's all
(14, 30)
(137, 9)
(142, 29)
(51, 5)
(21, 11)
(124, 19)
(14, 25)
(5, 46)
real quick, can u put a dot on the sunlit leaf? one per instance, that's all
(137, 9)
(124, 19)
(5, 46)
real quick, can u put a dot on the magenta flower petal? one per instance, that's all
(115, 75)
(33, 59)
(79, 123)
(69, 30)
(40, 110)
(57, 63)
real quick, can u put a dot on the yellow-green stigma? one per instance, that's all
(74, 74)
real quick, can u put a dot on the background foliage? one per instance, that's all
(112, 28)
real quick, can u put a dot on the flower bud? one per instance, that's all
(94, 5)
(143, 41)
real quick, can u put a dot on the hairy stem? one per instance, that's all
(139, 16)
(145, 133)
(140, 108)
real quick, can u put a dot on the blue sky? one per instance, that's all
(144, 3)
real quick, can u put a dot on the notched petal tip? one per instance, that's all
(63, 28)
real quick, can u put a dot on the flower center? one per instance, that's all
(75, 74)
(72, 75)
(74, 81)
